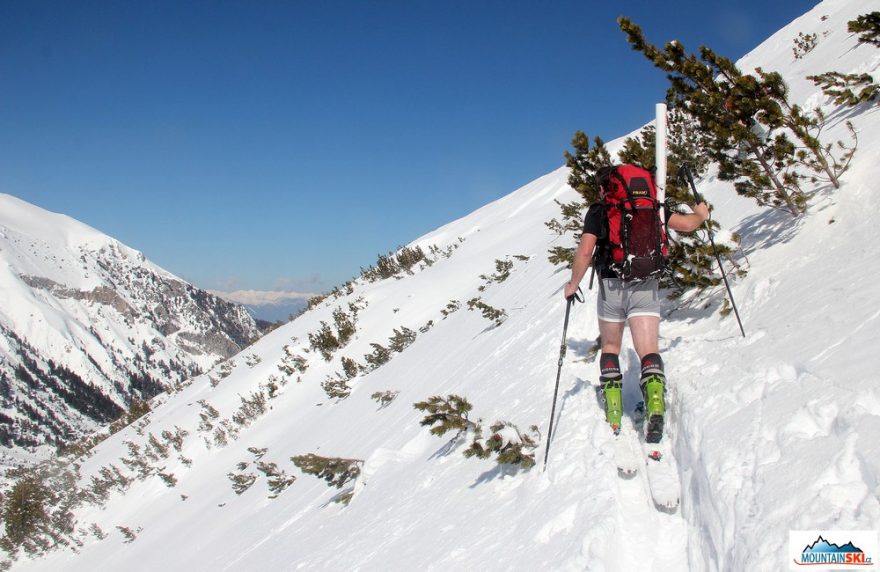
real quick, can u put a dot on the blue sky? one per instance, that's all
(283, 145)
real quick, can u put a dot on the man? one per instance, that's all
(636, 302)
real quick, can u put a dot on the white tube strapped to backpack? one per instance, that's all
(660, 158)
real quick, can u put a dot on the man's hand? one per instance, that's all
(570, 290)
(701, 209)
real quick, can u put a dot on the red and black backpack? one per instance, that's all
(636, 245)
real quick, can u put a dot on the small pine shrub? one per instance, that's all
(315, 301)
(292, 362)
(226, 369)
(251, 407)
(345, 326)
(127, 533)
(277, 479)
(175, 438)
(208, 415)
(156, 449)
(502, 271)
(336, 471)
(384, 398)
(446, 414)
(335, 387)
(258, 452)
(507, 443)
(804, 44)
(451, 307)
(378, 357)
(350, 368)
(135, 461)
(167, 478)
(392, 264)
(324, 342)
(560, 255)
(401, 339)
(97, 531)
(492, 314)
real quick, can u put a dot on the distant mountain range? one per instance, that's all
(88, 324)
(271, 306)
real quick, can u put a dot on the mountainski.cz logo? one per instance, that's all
(832, 549)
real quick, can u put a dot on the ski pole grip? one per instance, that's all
(576, 297)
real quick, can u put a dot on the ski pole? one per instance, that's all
(686, 170)
(562, 348)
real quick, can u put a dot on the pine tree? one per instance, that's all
(583, 164)
(840, 87)
(867, 26)
(726, 104)
(24, 511)
(806, 127)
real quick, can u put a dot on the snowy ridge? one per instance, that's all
(773, 432)
(87, 324)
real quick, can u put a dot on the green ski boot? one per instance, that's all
(653, 390)
(611, 391)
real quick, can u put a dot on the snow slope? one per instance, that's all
(776, 431)
(87, 324)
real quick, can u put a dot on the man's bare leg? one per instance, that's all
(645, 332)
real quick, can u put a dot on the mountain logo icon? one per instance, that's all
(822, 553)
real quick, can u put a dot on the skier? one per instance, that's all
(636, 302)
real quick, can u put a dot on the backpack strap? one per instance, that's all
(632, 201)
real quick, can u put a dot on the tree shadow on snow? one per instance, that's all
(448, 447)
(767, 228)
(496, 472)
(587, 349)
(844, 112)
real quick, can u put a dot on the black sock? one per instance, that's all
(652, 364)
(609, 365)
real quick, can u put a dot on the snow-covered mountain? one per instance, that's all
(88, 324)
(774, 432)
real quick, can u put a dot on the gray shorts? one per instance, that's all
(618, 300)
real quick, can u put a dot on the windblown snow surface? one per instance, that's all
(773, 432)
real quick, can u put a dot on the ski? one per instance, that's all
(626, 460)
(661, 469)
